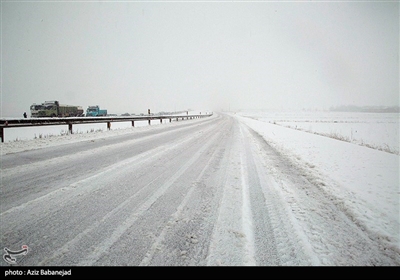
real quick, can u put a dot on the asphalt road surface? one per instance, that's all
(207, 192)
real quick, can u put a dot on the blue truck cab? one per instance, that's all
(95, 111)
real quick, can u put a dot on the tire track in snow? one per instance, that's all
(77, 218)
(21, 184)
(247, 215)
(75, 195)
(275, 242)
(120, 230)
(82, 188)
(176, 216)
(232, 240)
(184, 239)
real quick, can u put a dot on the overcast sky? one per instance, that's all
(166, 56)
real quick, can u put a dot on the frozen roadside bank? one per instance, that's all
(364, 181)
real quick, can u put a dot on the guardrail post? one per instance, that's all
(2, 134)
(108, 125)
(160, 120)
(70, 128)
(133, 123)
(149, 122)
(169, 119)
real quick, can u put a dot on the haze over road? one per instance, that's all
(203, 192)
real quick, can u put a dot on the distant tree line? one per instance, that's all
(372, 109)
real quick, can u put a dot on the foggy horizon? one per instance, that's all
(128, 57)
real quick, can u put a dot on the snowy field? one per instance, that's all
(375, 130)
(338, 200)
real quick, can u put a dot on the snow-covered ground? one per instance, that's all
(360, 180)
(375, 130)
(365, 179)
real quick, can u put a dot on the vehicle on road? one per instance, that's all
(55, 109)
(95, 111)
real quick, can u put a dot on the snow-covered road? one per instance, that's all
(202, 192)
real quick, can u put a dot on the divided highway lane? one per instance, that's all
(63, 204)
(207, 192)
(64, 164)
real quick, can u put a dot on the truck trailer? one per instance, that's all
(55, 109)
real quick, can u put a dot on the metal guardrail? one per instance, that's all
(70, 121)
